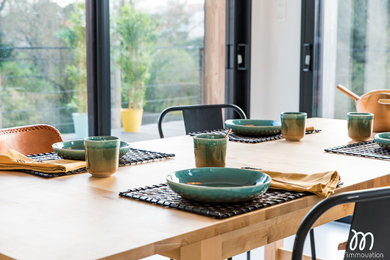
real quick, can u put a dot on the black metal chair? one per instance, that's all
(200, 117)
(370, 230)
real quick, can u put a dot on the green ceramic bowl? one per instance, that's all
(383, 139)
(254, 127)
(74, 150)
(218, 184)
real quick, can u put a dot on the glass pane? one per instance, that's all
(42, 64)
(156, 62)
(360, 53)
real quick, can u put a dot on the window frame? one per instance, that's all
(238, 43)
(98, 67)
(310, 63)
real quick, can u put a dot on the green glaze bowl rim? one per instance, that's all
(383, 139)
(360, 115)
(79, 154)
(204, 137)
(103, 138)
(201, 191)
(236, 123)
(254, 127)
(290, 115)
(169, 178)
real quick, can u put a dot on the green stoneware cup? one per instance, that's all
(360, 125)
(210, 150)
(102, 155)
(293, 125)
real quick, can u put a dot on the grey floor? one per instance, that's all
(327, 238)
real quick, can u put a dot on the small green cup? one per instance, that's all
(102, 155)
(293, 125)
(210, 150)
(360, 125)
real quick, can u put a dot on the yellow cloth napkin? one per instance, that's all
(14, 160)
(323, 183)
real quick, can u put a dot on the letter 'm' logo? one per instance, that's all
(359, 240)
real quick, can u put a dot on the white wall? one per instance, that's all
(276, 37)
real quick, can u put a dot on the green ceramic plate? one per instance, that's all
(383, 139)
(254, 127)
(74, 150)
(218, 184)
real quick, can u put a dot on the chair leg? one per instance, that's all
(312, 245)
(248, 255)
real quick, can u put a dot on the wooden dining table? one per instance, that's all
(82, 217)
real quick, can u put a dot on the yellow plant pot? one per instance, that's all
(131, 119)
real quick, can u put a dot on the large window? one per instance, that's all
(157, 50)
(42, 63)
(356, 40)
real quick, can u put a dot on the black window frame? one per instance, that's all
(98, 67)
(310, 60)
(238, 44)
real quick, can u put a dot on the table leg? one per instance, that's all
(209, 249)
(271, 250)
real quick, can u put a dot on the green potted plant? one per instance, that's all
(137, 36)
(74, 36)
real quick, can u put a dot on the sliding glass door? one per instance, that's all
(360, 53)
(355, 41)
(157, 50)
(164, 53)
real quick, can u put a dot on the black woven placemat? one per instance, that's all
(162, 195)
(248, 139)
(133, 156)
(368, 149)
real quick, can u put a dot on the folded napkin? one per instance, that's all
(14, 160)
(323, 183)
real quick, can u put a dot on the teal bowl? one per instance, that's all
(383, 140)
(74, 150)
(218, 184)
(252, 127)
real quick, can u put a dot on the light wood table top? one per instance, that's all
(81, 217)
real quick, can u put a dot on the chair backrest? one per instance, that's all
(369, 230)
(200, 117)
(31, 139)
